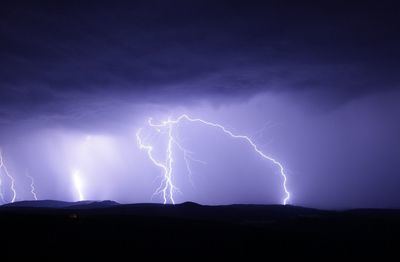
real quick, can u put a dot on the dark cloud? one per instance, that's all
(57, 51)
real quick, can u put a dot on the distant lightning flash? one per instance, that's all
(33, 189)
(4, 169)
(1, 192)
(167, 188)
(78, 184)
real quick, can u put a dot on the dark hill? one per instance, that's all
(97, 229)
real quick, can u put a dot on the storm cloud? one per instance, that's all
(181, 51)
(325, 76)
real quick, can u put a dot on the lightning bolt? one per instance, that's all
(167, 188)
(78, 184)
(166, 166)
(3, 167)
(1, 192)
(33, 190)
(187, 157)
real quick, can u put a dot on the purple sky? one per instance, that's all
(316, 86)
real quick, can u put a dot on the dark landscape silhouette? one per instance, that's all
(97, 229)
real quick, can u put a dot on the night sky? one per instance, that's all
(315, 84)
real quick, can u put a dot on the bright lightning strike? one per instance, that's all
(4, 169)
(167, 188)
(33, 189)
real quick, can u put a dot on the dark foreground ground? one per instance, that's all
(106, 230)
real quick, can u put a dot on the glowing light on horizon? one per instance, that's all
(167, 187)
